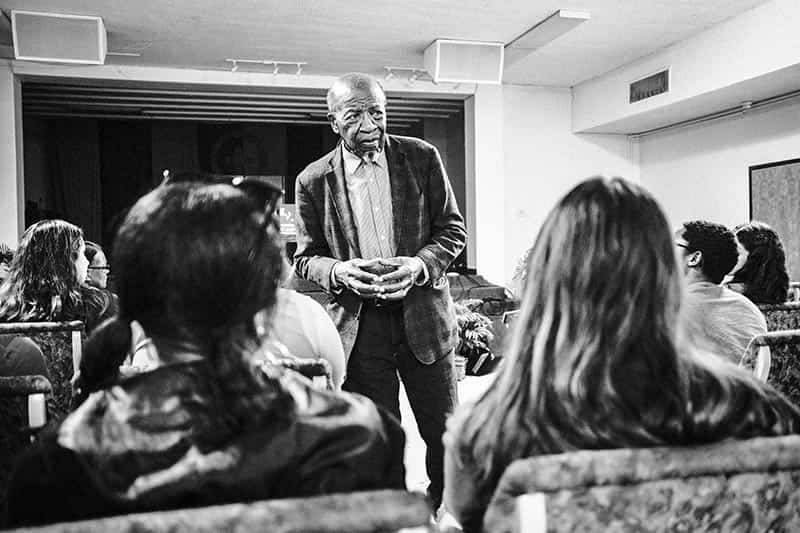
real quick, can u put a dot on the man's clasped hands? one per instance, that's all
(380, 278)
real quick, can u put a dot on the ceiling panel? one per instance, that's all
(361, 35)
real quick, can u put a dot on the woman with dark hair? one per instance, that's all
(97, 275)
(597, 359)
(46, 279)
(760, 274)
(197, 268)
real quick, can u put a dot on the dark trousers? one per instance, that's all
(380, 353)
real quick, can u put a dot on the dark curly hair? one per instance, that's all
(43, 282)
(718, 245)
(763, 275)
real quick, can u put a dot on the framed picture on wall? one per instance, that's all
(775, 199)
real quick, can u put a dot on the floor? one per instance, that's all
(469, 389)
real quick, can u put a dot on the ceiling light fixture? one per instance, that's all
(414, 73)
(276, 64)
(544, 32)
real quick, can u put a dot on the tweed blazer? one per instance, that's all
(426, 223)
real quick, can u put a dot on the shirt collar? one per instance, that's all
(352, 161)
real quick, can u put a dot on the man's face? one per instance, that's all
(359, 117)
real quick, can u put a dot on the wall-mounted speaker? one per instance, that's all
(464, 61)
(58, 38)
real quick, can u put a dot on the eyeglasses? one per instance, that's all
(260, 188)
(102, 267)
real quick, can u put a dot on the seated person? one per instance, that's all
(195, 264)
(304, 327)
(47, 279)
(760, 274)
(19, 356)
(98, 266)
(597, 359)
(718, 319)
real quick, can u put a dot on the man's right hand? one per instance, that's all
(357, 275)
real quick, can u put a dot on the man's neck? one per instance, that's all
(695, 276)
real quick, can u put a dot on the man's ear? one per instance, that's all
(695, 259)
(332, 120)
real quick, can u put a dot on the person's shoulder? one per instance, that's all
(412, 143)
(317, 168)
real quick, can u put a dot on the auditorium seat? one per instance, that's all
(61, 344)
(781, 369)
(17, 401)
(357, 512)
(743, 486)
(781, 316)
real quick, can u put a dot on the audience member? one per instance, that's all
(19, 356)
(597, 359)
(760, 274)
(719, 320)
(6, 255)
(97, 275)
(195, 263)
(306, 330)
(46, 279)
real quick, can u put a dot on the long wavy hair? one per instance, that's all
(193, 267)
(43, 281)
(594, 360)
(763, 275)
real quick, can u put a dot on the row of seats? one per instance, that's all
(730, 486)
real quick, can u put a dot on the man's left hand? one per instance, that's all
(396, 284)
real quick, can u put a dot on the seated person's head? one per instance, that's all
(707, 250)
(46, 274)
(6, 255)
(98, 265)
(761, 269)
(599, 310)
(194, 262)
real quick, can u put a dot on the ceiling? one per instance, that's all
(336, 37)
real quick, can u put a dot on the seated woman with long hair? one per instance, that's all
(47, 279)
(196, 266)
(760, 274)
(597, 358)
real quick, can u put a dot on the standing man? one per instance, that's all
(377, 227)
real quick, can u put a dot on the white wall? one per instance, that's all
(12, 206)
(702, 171)
(544, 159)
(748, 57)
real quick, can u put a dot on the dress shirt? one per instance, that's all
(370, 194)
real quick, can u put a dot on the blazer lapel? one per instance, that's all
(338, 187)
(399, 176)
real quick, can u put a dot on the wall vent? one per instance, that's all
(650, 86)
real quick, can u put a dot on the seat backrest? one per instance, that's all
(781, 316)
(16, 393)
(740, 486)
(784, 364)
(61, 345)
(357, 512)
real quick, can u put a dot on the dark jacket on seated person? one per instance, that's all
(164, 439)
